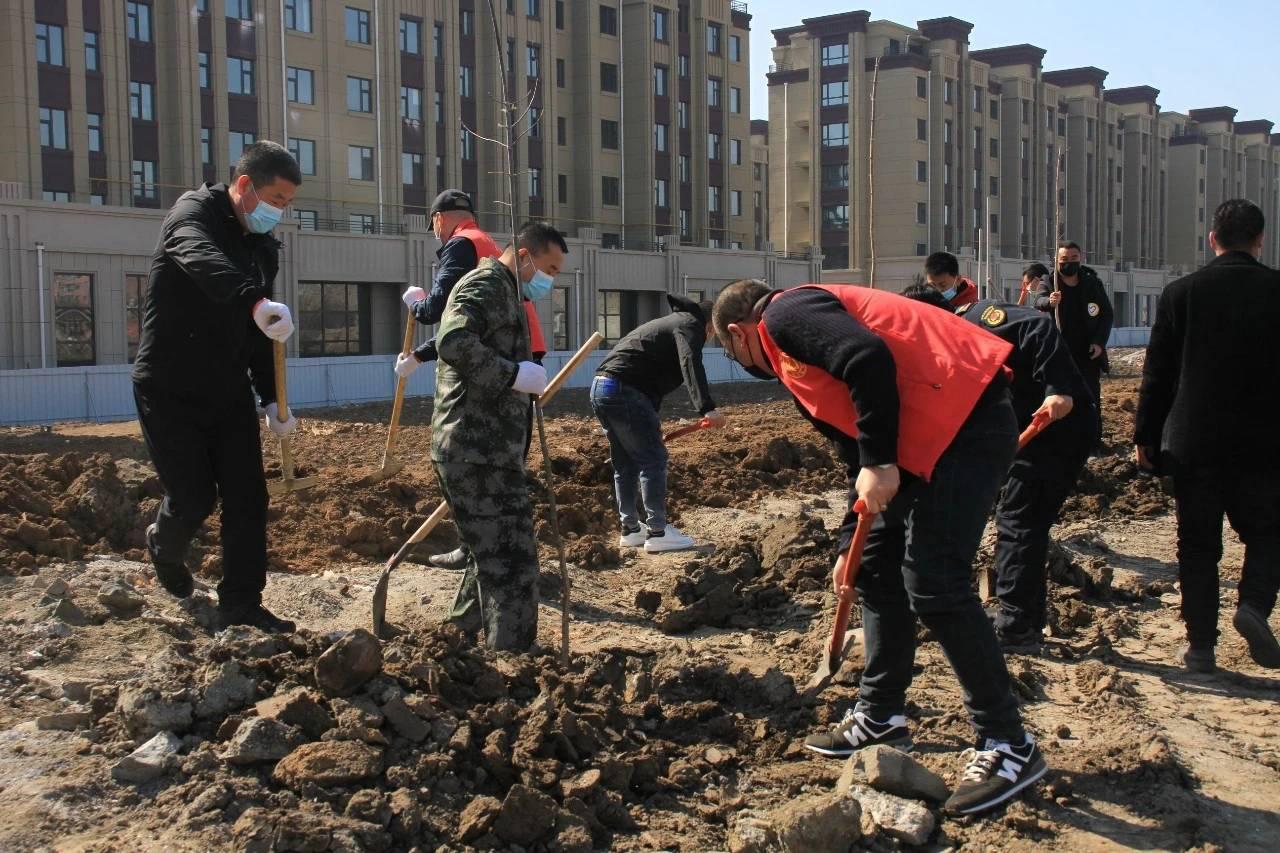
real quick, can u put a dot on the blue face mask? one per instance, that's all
(262, 218)
(949, 293)
(538, 286)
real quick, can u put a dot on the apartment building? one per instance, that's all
(760, 182)
(384, 102)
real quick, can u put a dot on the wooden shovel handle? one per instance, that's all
(398, 405)
(553, 387)
(430, 524)
(282, 397)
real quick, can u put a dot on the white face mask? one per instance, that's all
(538, 285)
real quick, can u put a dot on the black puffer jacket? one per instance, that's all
(659, 356)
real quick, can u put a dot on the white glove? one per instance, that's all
(276, 425)
(412, 295)
(274, 319)
(531, 378)
(406, 364)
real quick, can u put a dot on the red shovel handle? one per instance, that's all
(685, 430)
(849, 576)
(1039, 421)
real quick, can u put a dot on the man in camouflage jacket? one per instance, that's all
(478, 433)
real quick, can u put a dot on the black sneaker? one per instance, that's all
(1028, 641)
(1253, 626)
(454, 561)
(174, 577)
(856, 730)
(1198, 658)
(255, 615)
(995, 773)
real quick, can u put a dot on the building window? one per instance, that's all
(359, 95)
(660, 192)
(300, 85)
(713, 92)
(922, 213)
(735, 100)
(995, 185)
(535, 122)
(660, 81)
(835, 93)
(135, 290)
(994, 145)
(735, 203)
(562, 131)
(735, 48)
(239, 75)
(835, 176)
(922, 171)
(237, 141)
(307, 219)
(297, 15)
(535, 183)
(713, 146)
(922, 130)
(333, 316)
(660, 19)
(922, 87)
(533, 8)
(411, 104)
(411, 169)
(560, 74)
(608, 134)
(609, 191)
(713, 39)
(95, 132)
(467, 146)
(73, 318)
(608, 20)
(360, 163)
(835, 134)
(560, 318)
(410, 36)
(835, 217)
(361, 223)
(141, 100)
(686, 223)
(735, 152)
(562, 189)
(240, 9)
(464, 81)
(358, 25)
(685, 169)
(660, 137)
(559, 14)
(138, 21)
(610, 309)
(466, 22)
(977, 99)
(438, 106)
(995, 223)
(49, 45)
(1026, 111)
(682, 66)
(90, 50)
(713, 198)
(946, 131)
(55, 195)
(608, 77)
(202, 61)
(995, 108)
(533, 61)
(947, 87)
(437, 40)
(53, 128)
(682, 115)
(304, 151)
(206, 146)
(835, 54)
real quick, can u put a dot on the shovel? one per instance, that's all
(380, 591)
(848, 576)
(289, 483)
(685, 430)
(390, 464)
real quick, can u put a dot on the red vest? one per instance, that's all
(943, 363)
(966, 294)
(486, 248)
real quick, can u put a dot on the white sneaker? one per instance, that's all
(668, 540)
(635, 538)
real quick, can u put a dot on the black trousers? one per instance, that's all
(1041, 478)
(1250, 498)
(205, 451)
(1091, 370)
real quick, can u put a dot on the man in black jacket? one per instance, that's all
(1204, 417)
(1084, 316)
(646, 365)
(208, 323)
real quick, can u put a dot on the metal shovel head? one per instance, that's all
(282, 487)
(390, 467)
(831, 665)
(380, 600)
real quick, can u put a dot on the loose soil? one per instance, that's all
(683, 709)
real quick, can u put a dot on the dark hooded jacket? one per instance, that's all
(659, 356)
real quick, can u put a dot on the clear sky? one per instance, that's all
(1197, 54)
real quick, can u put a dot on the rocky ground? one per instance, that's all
(124, 721)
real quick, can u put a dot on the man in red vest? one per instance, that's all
(917, 403)
(462, 246)
(942, 272)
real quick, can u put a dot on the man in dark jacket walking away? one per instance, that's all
(1084, 316)
(645, 366)
(208, 323)
(1204, 417)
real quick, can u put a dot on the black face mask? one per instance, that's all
(1069, 268)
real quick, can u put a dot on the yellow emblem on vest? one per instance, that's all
(1094, 309)
(993, 316)
(792, 368)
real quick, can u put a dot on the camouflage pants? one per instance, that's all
(499, 589)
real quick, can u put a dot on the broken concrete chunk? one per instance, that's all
(298, 707)
(906, 820)
(894, 772)
(64, 721)
(339, 762)
(349, 663)
(260, 740)
(149, 761)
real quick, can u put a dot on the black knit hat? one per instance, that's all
(451, 200)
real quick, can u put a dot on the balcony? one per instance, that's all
(738, 6)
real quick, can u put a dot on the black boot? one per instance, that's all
(454, 561)
(254, 615)
(174, 577)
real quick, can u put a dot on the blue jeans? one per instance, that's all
(919, 563)
(630, 419)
